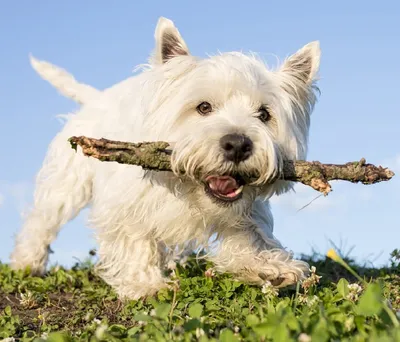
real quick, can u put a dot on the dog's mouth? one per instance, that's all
(227, 189)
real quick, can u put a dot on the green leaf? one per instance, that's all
(58, 337)
(195, 310)
(142, 317)
(133, 331)
(191, 325)
(293, 323)
(320, 332)
(263, 329)
(371, 302)
(281, 306)
(203, 338)
(162, 310)
(227, 335)
(359, 322)
(281, 333)
(164, 294)
(29, 334)
(252, 320)
(117, 330)
(7, 310)
(343, 287)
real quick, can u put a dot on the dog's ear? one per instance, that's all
(304, 64)
(169, 42)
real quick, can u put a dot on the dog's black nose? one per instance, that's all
(237, 147)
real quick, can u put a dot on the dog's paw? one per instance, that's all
(280, 273)
(284, 279)
(32, 262)
(141, 290)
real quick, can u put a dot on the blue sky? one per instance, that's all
(357, 114)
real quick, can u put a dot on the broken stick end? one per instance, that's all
(73, 143)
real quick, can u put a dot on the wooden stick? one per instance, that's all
(156, 156)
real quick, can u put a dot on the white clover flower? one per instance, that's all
(100, 331)
(171, 265)
(28, 300)
(355, 287)
(354, 291)
(199, 332)
(89, 316)
(303, 337)
(348, 323)
(309, 301)
(312, 280)
(269, 289)
(312, 301)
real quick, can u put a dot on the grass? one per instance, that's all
(75, 304)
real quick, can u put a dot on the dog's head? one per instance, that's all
(230, 119)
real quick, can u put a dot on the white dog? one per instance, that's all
(226, 117)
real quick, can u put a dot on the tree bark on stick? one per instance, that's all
(157, 156)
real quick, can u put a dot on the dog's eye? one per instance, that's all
(204, 108)
(263, 114)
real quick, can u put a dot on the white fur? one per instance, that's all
(141, 216)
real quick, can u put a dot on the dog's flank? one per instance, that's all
(225, 116)
(64, 82)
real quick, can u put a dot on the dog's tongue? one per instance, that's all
(224, 185)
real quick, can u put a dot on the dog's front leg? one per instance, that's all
(252, 257)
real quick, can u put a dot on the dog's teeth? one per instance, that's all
(239, 190)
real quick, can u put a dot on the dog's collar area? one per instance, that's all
(226, 189)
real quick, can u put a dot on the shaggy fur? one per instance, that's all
(142, 217)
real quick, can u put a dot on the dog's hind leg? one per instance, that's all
(63, 188)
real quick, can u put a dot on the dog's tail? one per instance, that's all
(64, 82)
